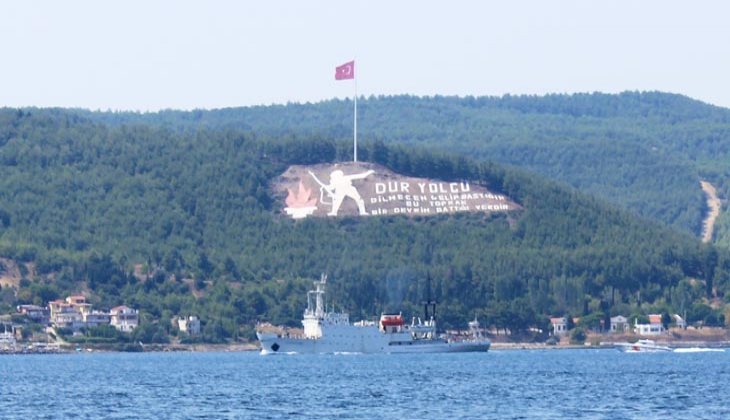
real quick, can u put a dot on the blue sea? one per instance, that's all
(521, 384)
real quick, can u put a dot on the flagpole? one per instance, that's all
(354, 131)
(346, 72)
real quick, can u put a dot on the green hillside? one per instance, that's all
(85, 201)
(645, 152)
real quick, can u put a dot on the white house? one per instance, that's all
(619, 324)
(189, 324)
(654, 327)
(124, 318)
(560, 326)
(96, 318)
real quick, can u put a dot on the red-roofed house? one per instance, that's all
(560, 325)
(76, 299)
(654, 327)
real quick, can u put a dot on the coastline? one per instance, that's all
(677, 338)
(202, 348)
(34, 348)
(252, 347)
(606, 345)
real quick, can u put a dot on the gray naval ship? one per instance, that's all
(332, 332)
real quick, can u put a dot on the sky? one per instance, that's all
(151, 55)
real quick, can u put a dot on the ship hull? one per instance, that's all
(442, 347)
(366, 343)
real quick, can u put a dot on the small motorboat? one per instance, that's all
(641, 346)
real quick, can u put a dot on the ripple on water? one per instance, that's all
(514, 384)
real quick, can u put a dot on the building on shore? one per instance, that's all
(654, 327)
(96, 318)
(189, 324)
(76, 313)
(559, 326)
(124, 318)
(619, 324)
(35, 313)
(69, 313)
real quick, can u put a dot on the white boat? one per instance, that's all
(641, 346)
(332, 332)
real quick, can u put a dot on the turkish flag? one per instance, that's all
(345, 71)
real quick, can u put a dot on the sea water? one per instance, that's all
(500, 384)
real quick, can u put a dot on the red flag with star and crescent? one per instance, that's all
(345, 71)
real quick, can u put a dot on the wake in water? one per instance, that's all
(697, 350)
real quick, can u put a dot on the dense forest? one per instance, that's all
(181, 221)
(644, 151)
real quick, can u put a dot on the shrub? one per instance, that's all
(577, 336)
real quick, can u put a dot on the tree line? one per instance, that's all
(178, 222)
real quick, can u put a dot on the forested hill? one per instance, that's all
(643, 151)
(82, 203)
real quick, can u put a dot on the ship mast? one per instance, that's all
(429, 303)
(316, 295)
(320, 310)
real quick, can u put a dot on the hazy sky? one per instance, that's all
(148, 55)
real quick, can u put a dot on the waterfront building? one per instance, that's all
(654, 327)
(79, 300)
(189, 325)
(124, 318)
(560, 326)
(69, 313)
(619, 324)
(76, 313)
(35, 313)
(96, 318)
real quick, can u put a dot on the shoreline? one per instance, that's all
(606, 345)
(34, 349)
(254, 347)
(202, 347)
